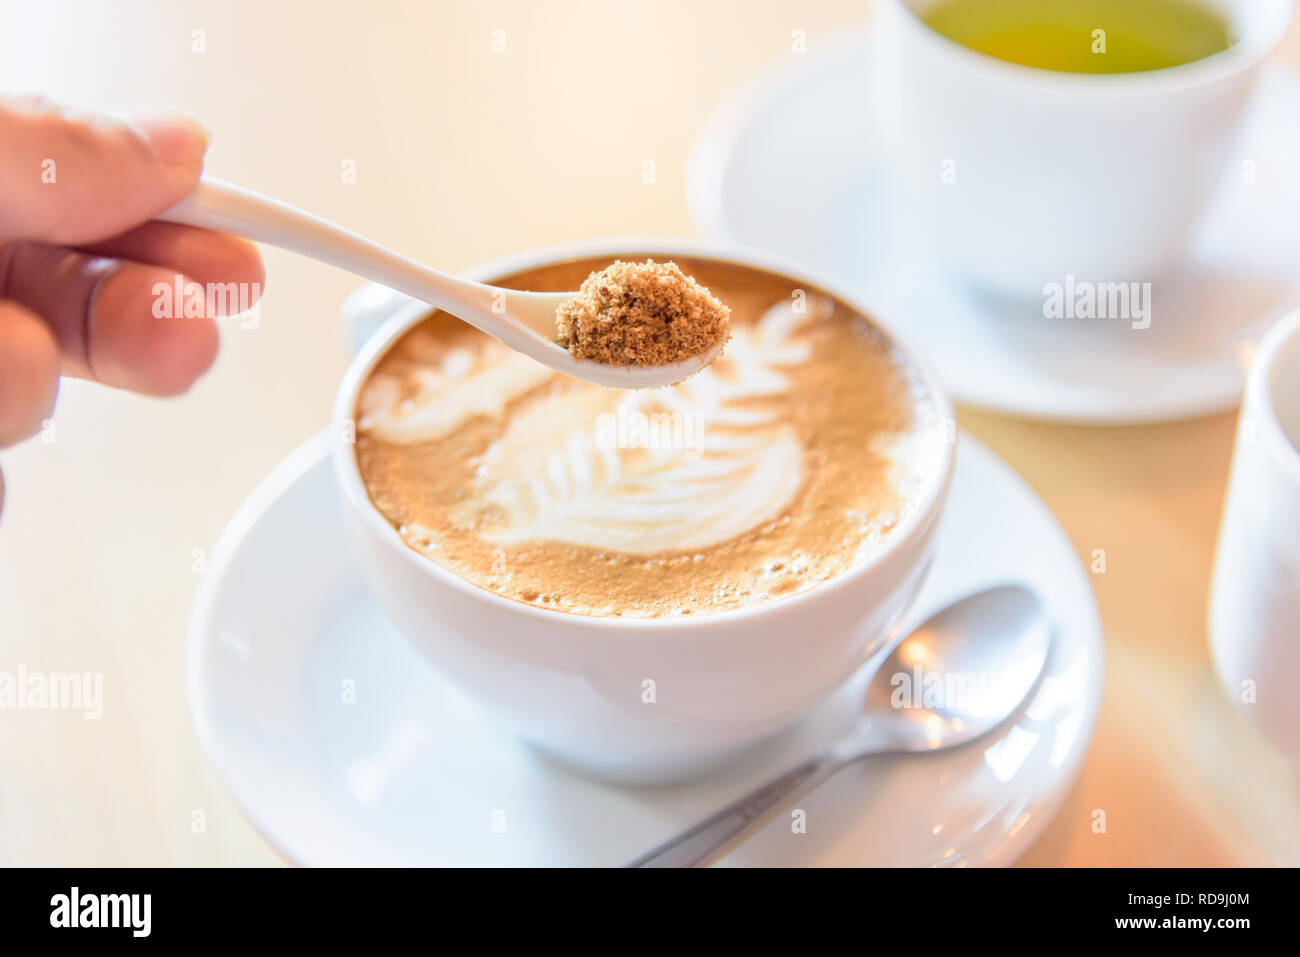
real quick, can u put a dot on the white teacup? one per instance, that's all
(1255, 596)
(572, 684)
(1028, 175)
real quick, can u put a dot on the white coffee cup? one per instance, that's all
(1255, 596)
(575, 685)
(1027, 176)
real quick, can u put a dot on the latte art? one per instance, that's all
(782, 464)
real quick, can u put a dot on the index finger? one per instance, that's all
(76, 177)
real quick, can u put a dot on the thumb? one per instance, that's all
(74, 178)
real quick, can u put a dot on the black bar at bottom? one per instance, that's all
(330, 907)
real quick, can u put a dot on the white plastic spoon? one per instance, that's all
(524, 321)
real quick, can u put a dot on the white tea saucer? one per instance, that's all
(797, 163)
(342, 747)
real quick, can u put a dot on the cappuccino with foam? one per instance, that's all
(788, 461)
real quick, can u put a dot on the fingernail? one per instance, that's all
(177, 138)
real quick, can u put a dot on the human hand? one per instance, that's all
(80, 256)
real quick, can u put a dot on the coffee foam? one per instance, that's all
(733, 487)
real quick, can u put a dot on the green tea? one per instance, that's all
(1084, 36)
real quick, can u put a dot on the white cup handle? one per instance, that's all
(366, 309)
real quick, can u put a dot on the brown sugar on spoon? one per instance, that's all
(641, 314)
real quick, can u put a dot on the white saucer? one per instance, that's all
(795, 163)
(412, 774)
